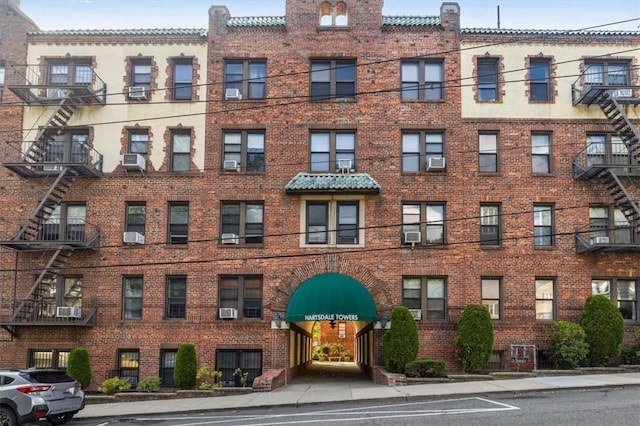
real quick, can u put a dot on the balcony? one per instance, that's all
(621, 239)
(48, 84)
(74, 234)
(597, 157)
(45, 313)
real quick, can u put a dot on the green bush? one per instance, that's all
(631, 355)
(79, 366)
(208, 378)
(474, 340)
(424, 367)
(604, 326)
(186, 368)
(567, 344)
(114, 385)
(150, 384)
(400, 342)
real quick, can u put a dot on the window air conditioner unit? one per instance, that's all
(345, 166)
(417, 314)
(435, 163)
(133, 238)
(229, 239)
(137, 92)
(232, 94)
(68, 312)
(134, 162)
(412, 237)
(55, 93)
(227, 313)
(230, 165)
(621, 93)
(600, 240)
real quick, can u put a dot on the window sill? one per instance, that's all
(426, 246)
(552, 247)
(176, 246)
(423, 101)
(491, 247)
(542, 174)
(238, 246)
(332, 246)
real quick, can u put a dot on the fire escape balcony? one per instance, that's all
(591, 93)
(50, 234)
(48, 313)
(619, 239)
(44, 84)
(597, 157)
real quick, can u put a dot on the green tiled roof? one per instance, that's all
(131, 32)
(410, 21)
(329, 182)
(256, 21)
(547, 32)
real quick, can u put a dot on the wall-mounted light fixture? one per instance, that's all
(384, 319)
(277, 319)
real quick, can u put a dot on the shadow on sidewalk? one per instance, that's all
(331, 372)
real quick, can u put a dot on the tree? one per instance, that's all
(604, 326)
(79, 366)
(474, 340)
(186, 367)
(567, 344)
(401, 342)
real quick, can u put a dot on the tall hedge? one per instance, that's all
(401, 342)
(603, 324)
(79, 366)
(474, 340)
(186, 368)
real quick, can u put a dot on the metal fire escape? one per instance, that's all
(618, 177)
(56, 163)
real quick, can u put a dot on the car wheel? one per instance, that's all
(7, 417)
(59, 419)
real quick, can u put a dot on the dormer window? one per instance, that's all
(333, 16)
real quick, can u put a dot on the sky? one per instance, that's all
(514, 14)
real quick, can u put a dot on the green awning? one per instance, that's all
(329, 297)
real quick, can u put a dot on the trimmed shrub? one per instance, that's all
(401, 342)
(114, 385)
(186, 368)
(150, 384)
(208, 378)
(631, 355)
(474, 340)
(604, 326)
(79, 366)
(567, 344)
(424, 367)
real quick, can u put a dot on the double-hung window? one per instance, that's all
(607, 73)
(608, 225)
(545, 298)
(243, 151)
(426, 297)
(182, 79)
(248, 77)
(176, 297)
(129, 365)
(242, 223)
(487, 78)
(607, 149)
(622, 291)
(135, 219)
(243, 293)
(138, 143)
(140, 78)
(542, 225)
(178, 223)
(332, 151)
(541, 153)
(420, 149)
(167, 365)
(423, 223)
(132, 297)
(488, 152)
(490, 224)
(539, 80)
(68, 72)
(491, 293)
(423, 79)
(332, 79)
(180, 150)
(329, 222)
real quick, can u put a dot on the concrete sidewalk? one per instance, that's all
(330, 389)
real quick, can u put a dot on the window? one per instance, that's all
(541, 153)
(545, 304)
(178, 223)
(129, 365)
(243, 293)
(607, 149)
(333, 79)
(487, 75)
(488, 152)
(167, 365)
(249, 77)
(183, 79)
(132, 298)
(333, 222)
(490, 224)
(136, 217)
(542, 225)
(61, 291)
(228, 361)
(68, 72)
(180, 151)
(333, 16)
(141, 74)
(608, 73)
(539, 80)
(244, 221)
(332, 151)
(608, 224)
(426, 218)
(139, 143)
(1, 80)
(342, 330)
(176, 302)
(66, 223)
(422, 79)
(428, 295)
(48, 358)
(491, 290)
(622, 291)
(246, 148)
(419, 147)
(70, 146)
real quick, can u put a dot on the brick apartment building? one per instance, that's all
(232, 187)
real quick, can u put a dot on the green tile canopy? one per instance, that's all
(331, 297)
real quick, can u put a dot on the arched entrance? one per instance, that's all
(331, 298)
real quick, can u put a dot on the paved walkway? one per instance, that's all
(344, 382)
